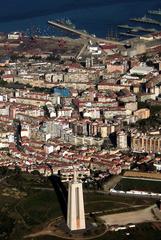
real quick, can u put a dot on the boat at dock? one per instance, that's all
(155, 12)
(66, 22)
(146, 20)
(138, 29)
(128, 34)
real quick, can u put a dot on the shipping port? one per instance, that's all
(137, 29)
(146, 20)
(81, 33)
(155, 12)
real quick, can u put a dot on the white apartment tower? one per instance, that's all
(122, 140)
(75, 212)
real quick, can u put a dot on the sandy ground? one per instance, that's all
(145, 215)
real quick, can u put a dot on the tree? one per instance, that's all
(35, 172)
(143, 58)
(17, 170)
(3, 170)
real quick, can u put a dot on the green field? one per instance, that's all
(127, 184)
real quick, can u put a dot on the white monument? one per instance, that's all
(75, 213)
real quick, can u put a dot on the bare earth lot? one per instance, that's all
(145, 215)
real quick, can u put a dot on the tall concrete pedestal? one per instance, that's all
(75, 213)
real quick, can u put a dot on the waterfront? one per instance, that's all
(99, 17)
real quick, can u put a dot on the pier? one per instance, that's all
(155, 12)
(82, 34)
(146, 20)
(128, 34)
(137, 29)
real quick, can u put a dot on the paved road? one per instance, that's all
(82, 50)
(112, 182)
